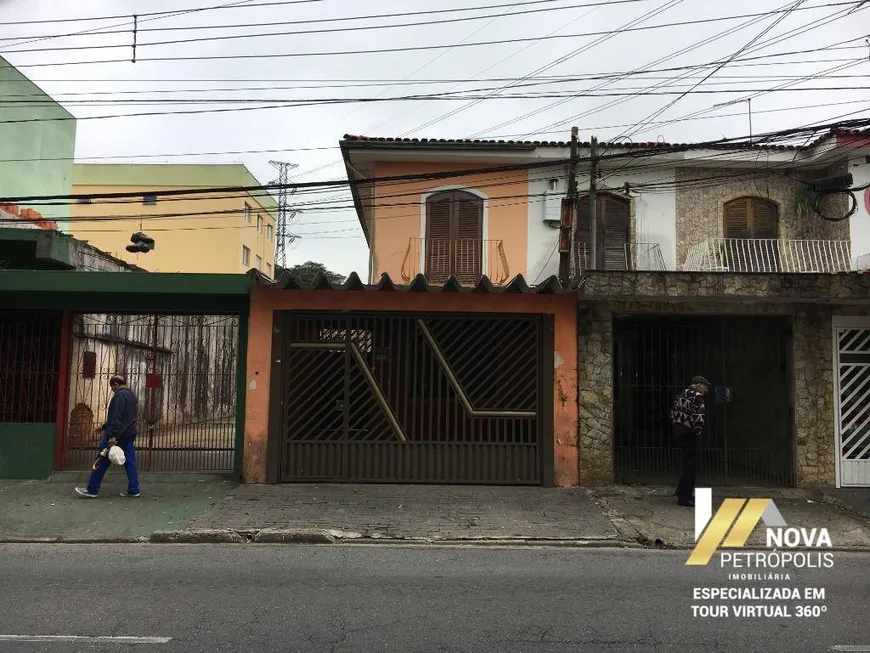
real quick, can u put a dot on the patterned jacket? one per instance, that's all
(689, 410)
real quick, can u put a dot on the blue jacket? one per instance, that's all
(122, 411)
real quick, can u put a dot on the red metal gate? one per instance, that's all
(182, 369)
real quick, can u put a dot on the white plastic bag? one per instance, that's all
(116, 455)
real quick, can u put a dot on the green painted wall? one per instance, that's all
(53, 137)
(27, 450)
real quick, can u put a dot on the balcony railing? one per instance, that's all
(467, 259)
(760, 255)
(640, 257)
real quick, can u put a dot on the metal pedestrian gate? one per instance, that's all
(182, 369)
(852, 383)
(748, 439)
(429, 398)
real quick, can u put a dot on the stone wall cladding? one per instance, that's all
(704, 293)
(701, 286)
(595, 378)
(700, 206)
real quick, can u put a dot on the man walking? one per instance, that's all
(120, 429)
(687, 422)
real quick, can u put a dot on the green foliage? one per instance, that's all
(306, 272)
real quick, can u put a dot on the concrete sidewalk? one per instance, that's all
(52, 511)
(187, 507)
(415, 513)
(650, 514)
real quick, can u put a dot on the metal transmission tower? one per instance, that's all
(285, 213)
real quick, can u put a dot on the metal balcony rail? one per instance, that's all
(639, 257)
(467, 259)
(763, 255)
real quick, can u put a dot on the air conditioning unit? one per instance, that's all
(553, 205)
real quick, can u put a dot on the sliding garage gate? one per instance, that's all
(428, 398)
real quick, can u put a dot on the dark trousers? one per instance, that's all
(104, 464)
(691, 446)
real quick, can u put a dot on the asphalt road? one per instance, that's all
(360, 598)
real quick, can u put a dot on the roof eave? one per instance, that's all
(354, 191)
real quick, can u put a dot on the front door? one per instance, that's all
(852, 391)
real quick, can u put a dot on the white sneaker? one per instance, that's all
(83, 491)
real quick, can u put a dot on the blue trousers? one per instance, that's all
(104, 464)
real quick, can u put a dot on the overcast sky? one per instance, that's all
(333, 236)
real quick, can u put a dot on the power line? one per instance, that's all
(488, 68)
(273, 103)
(134, 22)
(735, 143)
(439, 97)
(365, 17)
(169, 13)
(165, 155)
(334, 30)
(386, 50)
(560, 60)
(787, 35)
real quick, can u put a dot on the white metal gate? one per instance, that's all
(852, 386)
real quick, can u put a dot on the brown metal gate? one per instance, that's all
(182, 369)
(748, 439)
(429, 398)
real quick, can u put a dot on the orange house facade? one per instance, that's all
(450, 217)
(445, 364)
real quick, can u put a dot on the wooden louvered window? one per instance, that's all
(751, 229)
(614, 214)
(454, 237)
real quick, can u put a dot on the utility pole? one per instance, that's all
(568, 222)
(594, 263)
(285, 213)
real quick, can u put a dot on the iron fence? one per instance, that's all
(768, 255)
(29, 368)
(182, 368)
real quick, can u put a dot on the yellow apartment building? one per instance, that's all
(221, 232)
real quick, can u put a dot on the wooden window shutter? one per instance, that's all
(437, 245)
(468, 244)
(736, 219)
(614, 215)
(454, 232)
(764, 219)
(581, 235)
(616, 218)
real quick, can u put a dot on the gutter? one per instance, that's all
(353, 175)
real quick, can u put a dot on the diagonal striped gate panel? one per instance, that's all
(412, 398)
(853, 401)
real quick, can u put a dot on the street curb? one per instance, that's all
(73, 540)
(229, 536)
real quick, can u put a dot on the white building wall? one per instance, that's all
(859, 223)
(654, 214)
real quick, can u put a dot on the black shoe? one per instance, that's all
(688, 504)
